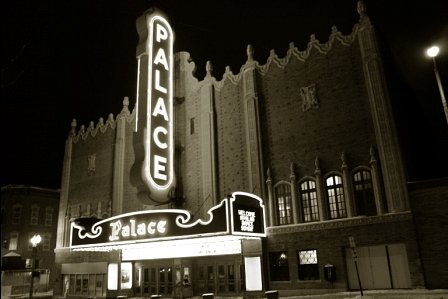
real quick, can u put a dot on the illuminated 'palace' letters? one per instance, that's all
(154, 123)
(133, 229)
(159, 117)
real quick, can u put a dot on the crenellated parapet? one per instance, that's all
(101, 126)
(292, 53)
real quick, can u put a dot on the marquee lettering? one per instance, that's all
(247, 220)
(132, 229)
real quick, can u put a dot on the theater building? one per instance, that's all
(279, 177)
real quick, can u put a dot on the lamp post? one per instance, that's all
(433, 52)
(35, 240)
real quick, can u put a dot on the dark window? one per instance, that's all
(336, 200)
(365, 200)
(192, 126)
(48, 216)
(16, 214)
(34, 215)
(307, 264)
(278, 266)
(283, 196)
(308, 195)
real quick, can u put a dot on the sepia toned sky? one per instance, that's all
(64, 60)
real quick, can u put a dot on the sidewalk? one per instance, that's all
(382, 294)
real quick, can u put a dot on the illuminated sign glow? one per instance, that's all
(136, 229)
(159, 154)
(154, 108)
(242, 214)
(247, 215)
(247, 219)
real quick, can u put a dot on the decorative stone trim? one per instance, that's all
(339, 223)
(309, 97)
(92, 130)
(293, 52)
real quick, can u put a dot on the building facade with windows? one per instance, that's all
(311, 135)
(27, 211)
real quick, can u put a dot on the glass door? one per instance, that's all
(226, 278)
(165, 284)
(149, 281)
(218, 277)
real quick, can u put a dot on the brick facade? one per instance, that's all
(310, 115)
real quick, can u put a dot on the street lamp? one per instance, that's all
(432, 52)
(35, 240)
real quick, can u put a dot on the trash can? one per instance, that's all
(208, 296)
(271, 294)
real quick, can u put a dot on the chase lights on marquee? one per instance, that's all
(154, 109)
(242, 214)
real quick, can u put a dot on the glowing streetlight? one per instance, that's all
(433, 52)
(35, 241)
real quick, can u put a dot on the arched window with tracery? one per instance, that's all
(364, 197)
(308, 197)
(335, 194)
(283, 198)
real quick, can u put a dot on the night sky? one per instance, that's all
(76, 59)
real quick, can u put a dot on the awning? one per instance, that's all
(12, 254)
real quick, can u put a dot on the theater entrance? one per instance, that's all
(156, 279)
(184, 278)
(222, 276)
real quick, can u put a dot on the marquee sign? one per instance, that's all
(247, 215)
(154, 121)
(241, 214)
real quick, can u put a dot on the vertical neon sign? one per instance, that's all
(154, 121)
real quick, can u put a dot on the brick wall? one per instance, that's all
(342, 123)
(430, 209)
(331, 239)
(90, 187)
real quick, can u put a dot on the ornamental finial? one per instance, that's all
(73, 127)
(361, 8)
(250, 52)
(209, 69)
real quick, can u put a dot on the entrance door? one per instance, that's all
(218, 277)
(226, 278)
(206, 278)
(157, 280)
(380, 267)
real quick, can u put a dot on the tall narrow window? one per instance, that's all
(308, 195)
(278, 266)
(192, 126)
(283, 196)
(48, 216)
(13, 240)
(365, 201)
(46, 241)
(335, 193)
(307, 264)
(34, 215)
(16, 214)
